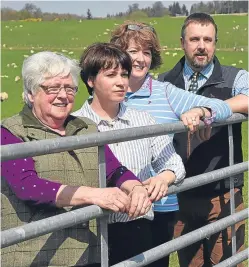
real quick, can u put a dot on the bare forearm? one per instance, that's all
(238, 103)
(74, 196)
(107, 198)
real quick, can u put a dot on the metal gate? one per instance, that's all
(38, 228)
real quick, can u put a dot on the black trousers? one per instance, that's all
(128, 239)
(162, 229)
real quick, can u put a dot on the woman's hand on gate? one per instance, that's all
(140, 202)
(158, 185)
(191, 119)
(111, 198)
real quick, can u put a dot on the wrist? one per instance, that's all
(202, 113)
(206, 115)
(169, 176)
(87, 195)
(129, 186)
(136, 186)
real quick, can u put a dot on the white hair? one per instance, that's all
(43, 65)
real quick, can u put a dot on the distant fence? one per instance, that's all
(38, 228)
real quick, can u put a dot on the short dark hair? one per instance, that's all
(202, 18)
(100, 56)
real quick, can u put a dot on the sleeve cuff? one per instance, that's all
(209, 120)
(128, 175)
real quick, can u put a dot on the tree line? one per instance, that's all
(176, 9)
(31, 11)
(156, 10)
(220, 7)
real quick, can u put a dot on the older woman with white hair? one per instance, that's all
(43, 186)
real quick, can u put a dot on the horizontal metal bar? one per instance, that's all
(209, 177)
(234, 260)
(53, 223)
(34, 229)
(176, 244)
(43, 147)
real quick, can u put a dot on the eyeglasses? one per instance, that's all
(54, 90)
(135, 27)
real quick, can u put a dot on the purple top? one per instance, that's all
(23, 180)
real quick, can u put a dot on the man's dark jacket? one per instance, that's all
(214, 153)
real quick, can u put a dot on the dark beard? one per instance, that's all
(199, 66)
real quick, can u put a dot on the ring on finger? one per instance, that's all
(193, 119)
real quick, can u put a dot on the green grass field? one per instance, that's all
(23, 38)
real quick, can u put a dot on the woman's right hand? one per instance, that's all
(111, 198)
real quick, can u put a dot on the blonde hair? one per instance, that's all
(143, 36)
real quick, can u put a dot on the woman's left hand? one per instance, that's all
(191, 119)
(157, 187)
(140, 202)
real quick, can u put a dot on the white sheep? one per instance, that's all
(17, 78)
(3, 96)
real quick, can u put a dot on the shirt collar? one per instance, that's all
(145, 88)
(122, 114)
(206, 72)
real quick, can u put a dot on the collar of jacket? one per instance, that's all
(176, 73)
(72, 124)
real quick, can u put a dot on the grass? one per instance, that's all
(75, 36)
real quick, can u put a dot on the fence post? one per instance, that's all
(103, 221)
(232, 202)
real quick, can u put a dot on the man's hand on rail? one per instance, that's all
(158, 185)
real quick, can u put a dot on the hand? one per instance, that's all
(157, 187)
(204, 134)
(140, 202)
(191, 119)
(111, 198)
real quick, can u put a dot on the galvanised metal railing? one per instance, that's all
(57, 222)
(234, 260)
(183, 241)
(34, 229)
